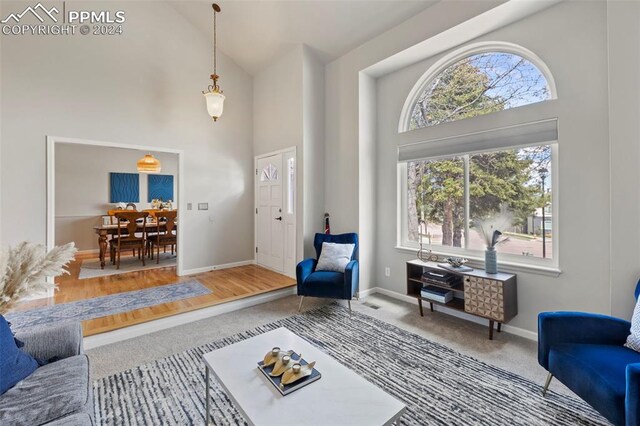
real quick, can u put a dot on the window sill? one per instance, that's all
(512, 267)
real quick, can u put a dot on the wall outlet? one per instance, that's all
(189, 206)
(212, 219)
(387, 272)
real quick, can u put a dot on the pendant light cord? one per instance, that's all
(215, 46)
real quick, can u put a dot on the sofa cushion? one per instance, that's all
(54, 391)
(596, 373)
(633, 340)
(15, 364)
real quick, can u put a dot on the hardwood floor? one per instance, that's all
(226, 285)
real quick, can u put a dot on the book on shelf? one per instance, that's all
(437, 294)
(441, 278)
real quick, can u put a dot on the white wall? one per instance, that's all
(288, 110)
(574, 38)
(598, 161)
(313, 147)
(144, 88)
(82, 190)
(624, 133)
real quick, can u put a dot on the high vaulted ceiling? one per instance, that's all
(255, 33)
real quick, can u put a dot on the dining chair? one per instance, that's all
(126, 237)
(166, 233)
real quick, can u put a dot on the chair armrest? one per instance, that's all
(351, 278)
(632, 400)
(304, 269)
(578, 327)
(46, 342)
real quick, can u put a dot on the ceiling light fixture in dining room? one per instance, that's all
(213, 94)
(149, 164)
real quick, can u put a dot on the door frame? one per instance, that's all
(255, 202)
(51, 185)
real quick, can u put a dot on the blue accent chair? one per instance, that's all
(586, 352)
(332, 285)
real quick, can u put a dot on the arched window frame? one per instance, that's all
(472, 49)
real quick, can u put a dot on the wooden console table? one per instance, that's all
(490, 296)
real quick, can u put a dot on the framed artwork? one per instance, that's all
(125, 187)
(160, 187)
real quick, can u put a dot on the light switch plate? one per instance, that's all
(189, 206)
(203, 206)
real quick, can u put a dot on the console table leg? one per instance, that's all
(499, 327)
(420, 305)
(490, 329)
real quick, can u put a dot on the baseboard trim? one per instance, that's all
(506, 328)
(218, 267)
(138, 330)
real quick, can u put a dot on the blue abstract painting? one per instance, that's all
(160, 187)
(125, 187)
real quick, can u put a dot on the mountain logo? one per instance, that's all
(38, 11)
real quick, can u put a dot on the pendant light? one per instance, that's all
(213, 95)
(149, 164)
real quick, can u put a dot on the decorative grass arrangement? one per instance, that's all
(24, 270)
(492, 228)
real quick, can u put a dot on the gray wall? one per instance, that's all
(83, 191)
(142, 88)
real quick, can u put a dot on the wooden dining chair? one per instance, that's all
(126, 238)
(167, 236)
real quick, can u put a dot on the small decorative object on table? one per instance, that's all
(490, 230)
(287, 371)
(456, 264)
(425, 255)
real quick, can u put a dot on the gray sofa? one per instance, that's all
(56, 394)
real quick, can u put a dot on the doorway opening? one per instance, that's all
(276, 210)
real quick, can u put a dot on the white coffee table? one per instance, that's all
(340, 397)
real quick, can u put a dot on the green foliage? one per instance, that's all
(495, 179)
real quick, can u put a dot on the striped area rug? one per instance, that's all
(439, 385)
(97, 307)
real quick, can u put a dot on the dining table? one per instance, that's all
(103, 231)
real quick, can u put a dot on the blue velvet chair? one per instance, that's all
(333, 285)
(586, 353)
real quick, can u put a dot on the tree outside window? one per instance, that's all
(449, 196)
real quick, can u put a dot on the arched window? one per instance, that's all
(474, 174)
(477, 83)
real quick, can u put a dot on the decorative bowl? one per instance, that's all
(456, 262)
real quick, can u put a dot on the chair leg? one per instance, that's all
(349, 303)
(546, 384)
(300, 305)
(141, 257)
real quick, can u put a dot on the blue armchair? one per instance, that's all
(333, 285)
(586, 353)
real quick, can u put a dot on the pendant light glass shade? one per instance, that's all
(215, 103)
(213, 95)
(149, 164)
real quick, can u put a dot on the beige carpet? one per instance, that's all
(91, 268)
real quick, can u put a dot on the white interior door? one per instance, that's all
(270, 229)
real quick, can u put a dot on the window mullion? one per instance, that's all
(466, 202)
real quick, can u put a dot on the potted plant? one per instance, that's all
(491, 230)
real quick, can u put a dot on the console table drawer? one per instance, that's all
(484, 297)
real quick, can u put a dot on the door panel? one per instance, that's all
(270, 231)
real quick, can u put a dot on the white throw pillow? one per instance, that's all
(633, 339)
(334, 257)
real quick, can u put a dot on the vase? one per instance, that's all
(491, 261)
